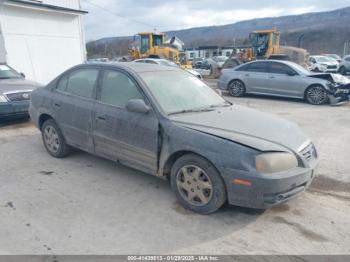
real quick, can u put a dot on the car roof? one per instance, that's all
(136, 67)
(289, 63)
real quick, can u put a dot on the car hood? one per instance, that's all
(335, 78)
(8, 85)
(246, 126)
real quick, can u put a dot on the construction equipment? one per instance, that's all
(154, 45)
(265, 43)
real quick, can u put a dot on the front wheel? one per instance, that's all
(197, 184)
(236, 88)
(316, 95)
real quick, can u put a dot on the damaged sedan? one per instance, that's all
(168, 123)
(285, 79)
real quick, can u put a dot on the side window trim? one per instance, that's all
(100, 83)
(68, 75)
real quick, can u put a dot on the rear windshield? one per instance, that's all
(8, 73)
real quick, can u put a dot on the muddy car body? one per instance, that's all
(210, 153)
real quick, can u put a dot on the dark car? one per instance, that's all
(14, 93)
(182, 130)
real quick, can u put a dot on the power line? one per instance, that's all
(116, 14)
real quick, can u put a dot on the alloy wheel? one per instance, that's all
(316, 95)
(236, 88)
(194, 185)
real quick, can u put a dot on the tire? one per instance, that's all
(192, 173)
(342, 70)
(53, 139)
(236, 88)
(316, 95)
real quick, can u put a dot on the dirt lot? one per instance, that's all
(87, 205)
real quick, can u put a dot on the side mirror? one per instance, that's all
(291, 73)
(137, 106)
(23, 75)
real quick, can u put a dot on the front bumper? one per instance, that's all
(267, 190)
(14, 109)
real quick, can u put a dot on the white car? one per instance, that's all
(165, 62)
(320, 63)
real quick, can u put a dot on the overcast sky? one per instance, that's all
(127, 17)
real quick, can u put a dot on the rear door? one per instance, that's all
(72, 106)
(285, 81)
(119, 134)
(254, 76)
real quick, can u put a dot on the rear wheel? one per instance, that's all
(342, 70)
(197, 184)
(236, 88)
(316, 95)
(53, 139)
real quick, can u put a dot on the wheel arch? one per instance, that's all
(236, 79)
(166, 170)
(42, 118)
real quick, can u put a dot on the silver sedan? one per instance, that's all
(285, 79)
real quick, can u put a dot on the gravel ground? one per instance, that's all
(87, 205)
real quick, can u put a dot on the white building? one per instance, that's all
(41, 38)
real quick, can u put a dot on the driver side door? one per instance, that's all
(121, 135)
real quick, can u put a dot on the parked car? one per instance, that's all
(165, 62)
(220, 60)
(15, 93)
(344, 66)
(166, 122)
(323, 64)
(197, 62)
(334, 56)
(285, 79)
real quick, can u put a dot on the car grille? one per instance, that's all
(309, 152)
(332, 67)
(18, 96)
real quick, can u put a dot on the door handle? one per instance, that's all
(246, 75)
(272, 77)
(102, 118)
(57, 105)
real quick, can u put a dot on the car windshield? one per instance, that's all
(8, 73)
(322, 59)
(180, 92)
(300, 69)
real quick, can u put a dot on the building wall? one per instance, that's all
(41, 43)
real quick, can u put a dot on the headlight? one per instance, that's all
(3, 99)
(275, 162)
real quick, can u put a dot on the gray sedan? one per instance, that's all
(168, 123)
(14, 93)
(285, 79)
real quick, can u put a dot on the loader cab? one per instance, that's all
(263, 42)
(149, 40)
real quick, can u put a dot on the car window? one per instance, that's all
(347, 59)
(140, 61)
(82, 82)
(8, 73)
(260, 67)
(117, 89)
(150, 62)
(279, 68)
(62, 83)
(243, 68)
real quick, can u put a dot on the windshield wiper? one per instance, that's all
(191, 111)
